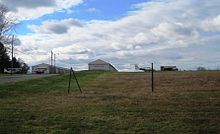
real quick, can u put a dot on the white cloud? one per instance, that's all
(14, 5)
(164, 32)
(212, 25)
(55, 26)
(93, 10)
(32, 9)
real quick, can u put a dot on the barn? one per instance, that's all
(101, 65)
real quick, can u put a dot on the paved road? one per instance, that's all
(15, 78)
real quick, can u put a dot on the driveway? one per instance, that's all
(15, 78)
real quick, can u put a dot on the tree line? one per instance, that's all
(6, 62)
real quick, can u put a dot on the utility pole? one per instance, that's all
(12, 51)
(49, 60)
(54, 63)
(51, 66)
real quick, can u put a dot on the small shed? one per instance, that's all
(101, 65)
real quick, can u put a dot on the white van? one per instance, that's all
(12, 70)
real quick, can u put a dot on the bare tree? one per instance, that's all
(7, 23)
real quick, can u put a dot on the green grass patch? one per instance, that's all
(113, 103)
(43, 85)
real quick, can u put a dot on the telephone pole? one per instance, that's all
(51, 66)
(54, 63)
(12, 51)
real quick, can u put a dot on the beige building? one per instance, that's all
(46, 69)
(101, 65)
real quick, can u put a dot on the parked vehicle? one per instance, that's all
(145, 69)
(40, 70)
(12, 70)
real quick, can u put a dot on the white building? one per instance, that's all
(46, 69)
(101, 65)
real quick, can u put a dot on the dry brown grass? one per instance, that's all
(182, 102)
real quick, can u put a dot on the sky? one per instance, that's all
(184, 33)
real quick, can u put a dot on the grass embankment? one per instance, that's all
(183, 102)
(4, 74)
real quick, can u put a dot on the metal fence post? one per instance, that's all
(77, 81)
(69, 80)
(152, 76)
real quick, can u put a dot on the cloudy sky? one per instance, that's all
(185, 33)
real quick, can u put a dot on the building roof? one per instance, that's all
(44, 64)
(168, 66)
(99, 62)
(113, 67)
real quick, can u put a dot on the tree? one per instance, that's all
(4, 58)
(5, 61)
(7, 23)
(24, 67)
(16, 63)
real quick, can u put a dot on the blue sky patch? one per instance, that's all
(89, 10)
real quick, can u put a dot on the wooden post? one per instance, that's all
(77, 81)
(69, 80)
(152, 76)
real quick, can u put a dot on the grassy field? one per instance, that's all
(183, 102)
(4, 74)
